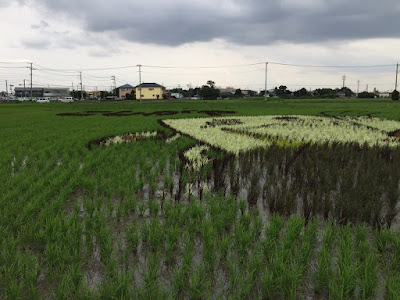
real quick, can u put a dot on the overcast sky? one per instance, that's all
(62, 37)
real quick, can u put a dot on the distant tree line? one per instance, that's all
(209, 91)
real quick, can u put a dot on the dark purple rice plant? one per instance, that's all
(254, 190)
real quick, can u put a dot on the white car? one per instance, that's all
(43, 100)
(67, 99)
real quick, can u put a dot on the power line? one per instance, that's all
(333, 66)
(214, 67)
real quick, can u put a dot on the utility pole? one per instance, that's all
(80, 73)
(6, 89)
(266, 77)
(115, 85)
(31, 79)
(344, 80)
(397, 72)
(367, 88)
(358, 87)
(24, 90)
(140, 82)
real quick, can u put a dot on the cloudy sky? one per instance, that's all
(185, 43)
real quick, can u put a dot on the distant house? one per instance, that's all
(94, 94)
(341, 94)
(176, 95)
(228, 89)
(148, 91)
(384, 94)
(246, 93)
(125, 89)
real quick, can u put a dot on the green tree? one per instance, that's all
(238, 93)
(366, 95)
(131, 95)
(252, 93)
(395, 95)
(301, 93)
(347, 92)
(211, 83)
(209, 91)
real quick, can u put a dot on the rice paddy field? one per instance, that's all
(227, 199)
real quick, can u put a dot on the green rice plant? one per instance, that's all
(268, 284)
(245, 220)
(141, 208)
(234, 276)
(224, 247)
(154, 207)
(151, 271)
(209, 241)
(180, 273)
(156, 234)
(245, 285)
(242, 206)
(198, 284)
(395, 263)
(115, 285)
(145, 232)
(329, 235)
(272, 233)
(307, 245)
(173, 213)
(187, 252)
(322, 275)
(383, 238)
(243, 240)
(285, 272)
(178, 281)
(368, 279)
(343, 283)
(392, 291)
(133, 237)
(129, 205)
(255, 263)
(105, 244)
(294, 226)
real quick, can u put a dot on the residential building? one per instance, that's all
(384, 94)
(125, 89)
(94, 94)
(228, 89)
(148, 91)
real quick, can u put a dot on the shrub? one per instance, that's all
(395, 95)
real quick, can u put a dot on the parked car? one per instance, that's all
(113, 98)
(67, 99)
(12, 99)
(43, 100)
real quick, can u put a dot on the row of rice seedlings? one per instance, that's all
(57, 246)
(230, 236)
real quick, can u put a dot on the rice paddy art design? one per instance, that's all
(240, 134)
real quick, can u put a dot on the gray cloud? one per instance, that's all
(41, 25)
(251, 22)
(37, 43)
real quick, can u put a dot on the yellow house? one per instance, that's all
(147, 91)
